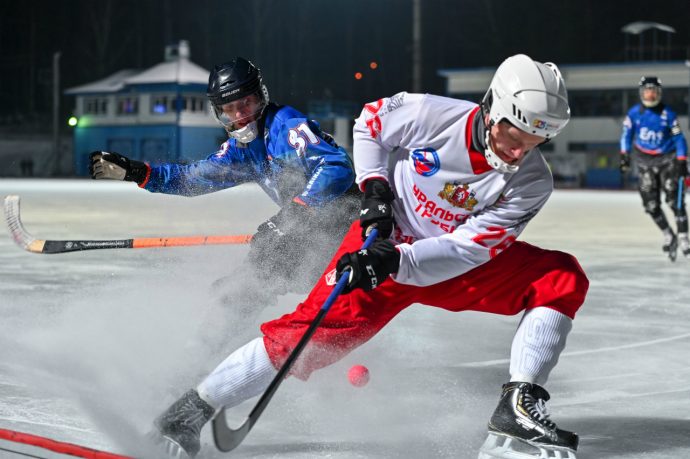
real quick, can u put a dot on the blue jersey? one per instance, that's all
(654, 131)
(293, 160)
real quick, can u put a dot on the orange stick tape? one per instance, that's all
(147, 242)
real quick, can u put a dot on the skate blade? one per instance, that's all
(505, 447)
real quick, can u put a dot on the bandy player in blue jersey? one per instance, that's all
(652, 135)
(299, 166)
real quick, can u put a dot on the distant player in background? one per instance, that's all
(449, 185)
(298, 165)
(652, 136)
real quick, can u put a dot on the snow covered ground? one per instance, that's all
(96, 344)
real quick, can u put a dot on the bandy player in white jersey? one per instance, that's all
(449, 185)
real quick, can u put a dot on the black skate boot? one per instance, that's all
(180, 425)
(670, 245)
(520, 427)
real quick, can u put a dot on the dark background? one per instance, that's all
(307, 49)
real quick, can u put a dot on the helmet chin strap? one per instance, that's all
(493, 159)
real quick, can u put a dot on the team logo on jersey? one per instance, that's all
(330, 277)
(426, 162)
(459, 195)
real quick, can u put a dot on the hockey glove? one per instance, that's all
(681, 168)
(376, 208)
(625, 163)
(114, 166)
(278, 231)
(370, 267)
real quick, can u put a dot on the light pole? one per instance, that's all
(417, 45)
(687, 64)
(56, 113)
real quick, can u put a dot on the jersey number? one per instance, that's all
(495, 233)
(299, 137)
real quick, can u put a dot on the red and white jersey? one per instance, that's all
(452, 210)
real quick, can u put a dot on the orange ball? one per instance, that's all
(358, 375)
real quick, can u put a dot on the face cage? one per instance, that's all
(657, 99)
(493, 159)
(232, 125)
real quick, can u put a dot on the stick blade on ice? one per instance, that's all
(227, 439)
(19, 234)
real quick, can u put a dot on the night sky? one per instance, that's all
(307, 49)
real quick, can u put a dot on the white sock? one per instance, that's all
(537, 344)
(246, 373)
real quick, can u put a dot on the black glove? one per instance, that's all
(681, 168)
(114, 166)
(625, 163)
(370, 267)
(376, 208)
(280, 230)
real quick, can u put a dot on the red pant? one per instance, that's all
(521, 277)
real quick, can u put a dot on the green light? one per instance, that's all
(72, 121)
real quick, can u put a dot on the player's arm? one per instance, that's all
(626, 143)
(628, 132)
(679, 140)
(330, 169)
(224, 169)
(383, 126)
(482, 236)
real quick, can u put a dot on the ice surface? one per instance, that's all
(96, 344)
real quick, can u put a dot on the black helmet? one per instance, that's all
(654, 83)
(232, 81)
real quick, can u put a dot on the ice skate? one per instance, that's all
(179, 428)
(670, 245)
(520, 427)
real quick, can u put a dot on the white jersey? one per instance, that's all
(453, 212)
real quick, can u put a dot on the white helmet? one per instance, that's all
(530, 95)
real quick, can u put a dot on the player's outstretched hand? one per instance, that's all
(114, 166)
(369, 268)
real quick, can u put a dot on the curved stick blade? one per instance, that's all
(21, 237)
(227, 439)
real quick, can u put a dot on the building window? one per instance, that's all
(195, 104)
(162, 104)
(127, 105)
(95, 105)
(166, 103)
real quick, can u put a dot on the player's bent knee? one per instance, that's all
(568, 282)
(652, 208)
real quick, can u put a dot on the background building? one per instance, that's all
(586, 153)
(153, 115)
